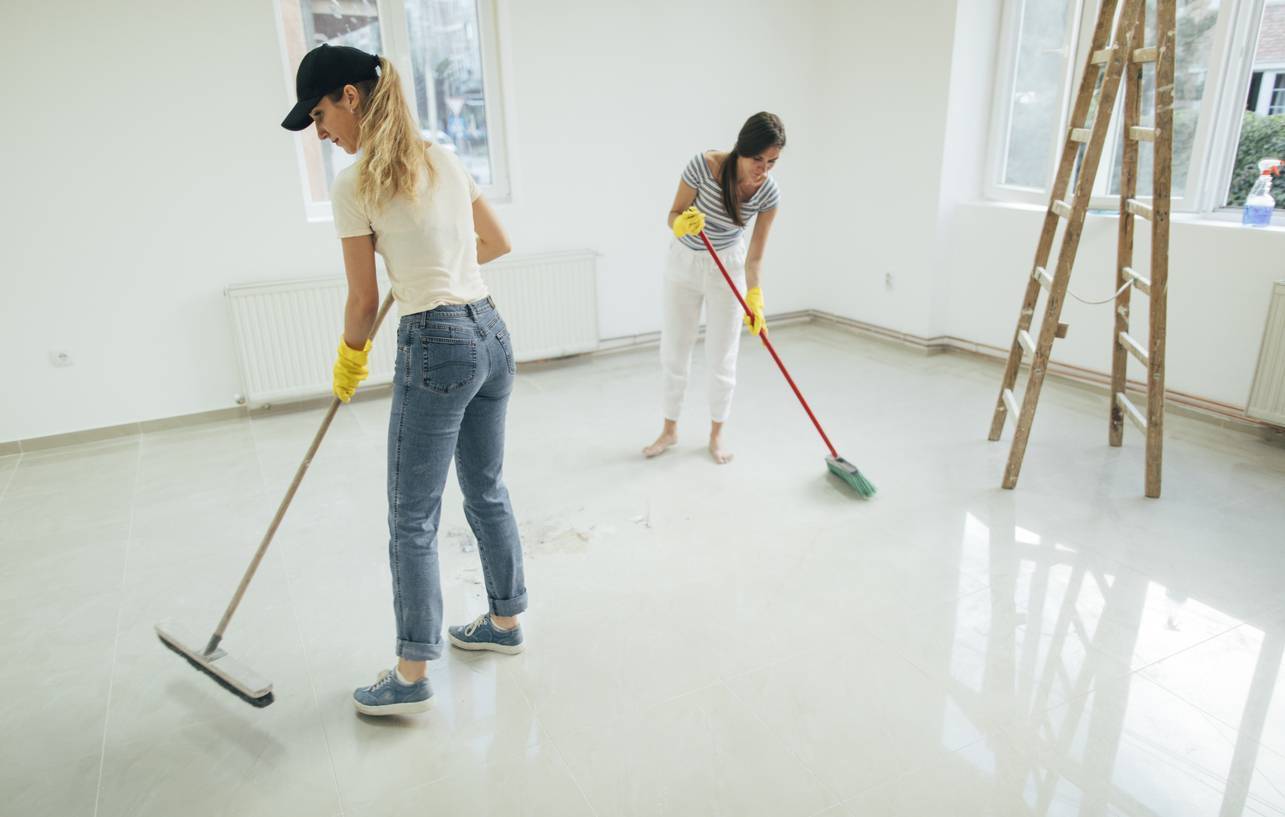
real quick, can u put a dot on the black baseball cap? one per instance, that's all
(324, 70)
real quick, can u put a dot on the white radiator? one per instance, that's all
(286, 332)
(1267, 395)
(550, 302)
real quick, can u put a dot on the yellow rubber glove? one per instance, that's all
(755, 300)
(350, 369)
(690, 222)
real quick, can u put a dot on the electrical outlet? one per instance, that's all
(887, 280)
(60, 358)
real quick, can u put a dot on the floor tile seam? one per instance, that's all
(834, 797)
(545, 735)
(1194, 705)
(1149, 664)
(316, 698)
(1134, 675)
(120, 613)
(10, 477)
(650, 706)
(919, 766)
(303, 643)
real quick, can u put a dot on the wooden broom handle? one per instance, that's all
(285, 502)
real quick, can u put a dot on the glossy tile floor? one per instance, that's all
(745, 640)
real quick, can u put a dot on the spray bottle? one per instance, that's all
(1260, 203)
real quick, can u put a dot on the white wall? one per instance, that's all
(1220, 279)
(608, 111)
(886, 77)
(912, 128)
(131, 206)
(148, 171)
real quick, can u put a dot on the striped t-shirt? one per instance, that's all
(719, 226)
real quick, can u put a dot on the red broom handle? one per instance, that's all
(763, 337)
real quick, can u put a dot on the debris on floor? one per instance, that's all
(643, 519)
(461, 538)
(559, 535)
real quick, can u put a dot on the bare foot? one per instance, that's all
(664, 442)
(716, 451)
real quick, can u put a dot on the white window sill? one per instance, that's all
(1225, 218)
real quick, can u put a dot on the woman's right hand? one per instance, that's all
(689, 222)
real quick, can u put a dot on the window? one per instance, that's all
(1227, 101)
(1277, 105)
(1261, 125)
(1035, 92)
(1193, 38)
(448, 72)
(445, 51)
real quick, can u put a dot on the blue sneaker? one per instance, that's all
(482, 635)
(389, 696)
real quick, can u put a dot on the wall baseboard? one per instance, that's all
(94, 435)
(1225, 415)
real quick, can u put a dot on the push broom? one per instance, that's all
(838, 466)
(207, 655)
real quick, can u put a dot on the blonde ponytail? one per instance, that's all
(394, 153)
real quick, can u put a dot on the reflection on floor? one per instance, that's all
(739, 640)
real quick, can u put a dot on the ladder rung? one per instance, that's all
(1146, 54)
(1104, 56)
(1130, 409)
(1142, 134)
(1081, 135)
(1140, 281)
(1061, 208)
(1027, 342)
(1010, 402)
(1134, 347)
(1042, 275)
(1139, 209)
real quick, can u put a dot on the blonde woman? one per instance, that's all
(415, 204)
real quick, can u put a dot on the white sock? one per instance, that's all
(401, 679)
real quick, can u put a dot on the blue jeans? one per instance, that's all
(455, 372)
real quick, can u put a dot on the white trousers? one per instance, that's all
(692, 279)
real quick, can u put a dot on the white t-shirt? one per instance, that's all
(429, 246)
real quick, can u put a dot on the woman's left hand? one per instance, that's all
(754, 298)
(350, 370)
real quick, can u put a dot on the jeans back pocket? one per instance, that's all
(506, 343)
(450, 360)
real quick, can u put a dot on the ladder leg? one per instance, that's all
(1124, 252)
(1034, 383)
(1165, 24)
(1061, 181)
(1111, 77)
(1024, 321)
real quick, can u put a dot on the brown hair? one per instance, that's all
(761, 131)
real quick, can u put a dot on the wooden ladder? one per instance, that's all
(1119, 53)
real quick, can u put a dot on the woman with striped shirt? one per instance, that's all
(720, 193)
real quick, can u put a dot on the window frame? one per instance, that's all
(1010, 30)
(1213, 153)
(1276, 101)
(1245, 24)
(395, 36)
